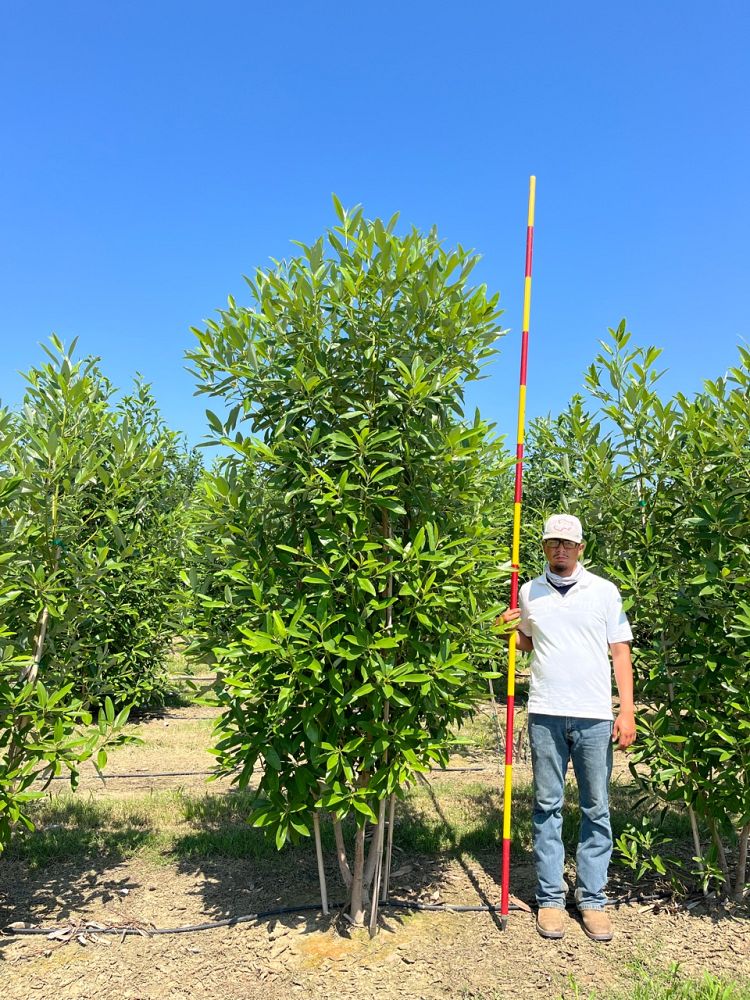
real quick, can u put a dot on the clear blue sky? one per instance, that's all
(154, 152)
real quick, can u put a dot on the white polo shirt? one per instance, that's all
(571, 672)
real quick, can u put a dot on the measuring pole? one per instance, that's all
(515, 559)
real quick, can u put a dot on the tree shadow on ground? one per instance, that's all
(240, 871)
(67, 865)
(442, 854)
(447, 850)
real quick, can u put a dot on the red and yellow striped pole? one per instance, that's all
(515, 559)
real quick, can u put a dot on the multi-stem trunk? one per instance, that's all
(374, 868)
(378, 868)
(380, 878)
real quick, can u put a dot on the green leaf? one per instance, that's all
(214, 422)
(364, 809)
(339, 208)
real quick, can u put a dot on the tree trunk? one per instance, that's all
(721, 853)
(29, 673)
(375, 861)
(378, 847)
(697, 844)
(691, 811)
(739, 885)
(357, 910)
(321, 869)
(389, 850)
(372, 856)
(346, 872)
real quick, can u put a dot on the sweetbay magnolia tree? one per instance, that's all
(353, 528)
(89, 493)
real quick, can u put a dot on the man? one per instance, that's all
(571, 620)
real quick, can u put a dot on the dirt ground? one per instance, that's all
(420, 955)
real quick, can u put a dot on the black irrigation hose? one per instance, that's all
(286, 910)
(489, 908)
(173, 718)
(147, 774)
(193, 677)
(193, 774)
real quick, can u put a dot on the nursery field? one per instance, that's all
(342, 566)
(145, 852)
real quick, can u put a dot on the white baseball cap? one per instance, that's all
(563, 526)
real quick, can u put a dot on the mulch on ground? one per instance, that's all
(418, 955)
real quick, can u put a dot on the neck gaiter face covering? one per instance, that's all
(563, 581)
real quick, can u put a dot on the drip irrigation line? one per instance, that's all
(489, 908)
(154, 931)
(186, 718)
(157, 774)
(146, 719)
(441, 770)
(281, 911)
(193, 677)
(194, 774)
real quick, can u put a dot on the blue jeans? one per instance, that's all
(555, 740)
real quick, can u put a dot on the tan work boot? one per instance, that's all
(549, 921)
(597, 925)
